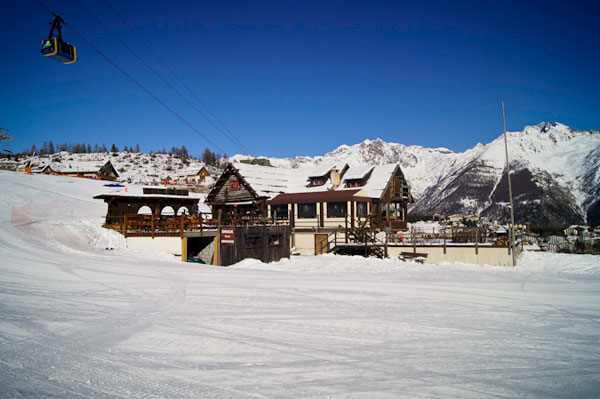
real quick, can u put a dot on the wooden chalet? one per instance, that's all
(326, 198)
(243, 190)
(194, 177)
(168, 219)
(88, 169)
(43, 169)
(156, 199)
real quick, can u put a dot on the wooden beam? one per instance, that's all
(184, 249)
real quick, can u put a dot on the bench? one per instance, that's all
(414, 256)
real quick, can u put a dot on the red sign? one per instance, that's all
(227, 237)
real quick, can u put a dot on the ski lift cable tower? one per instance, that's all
(4, 136)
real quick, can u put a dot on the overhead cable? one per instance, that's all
(137, 83)
(232, 136)
(145, 63)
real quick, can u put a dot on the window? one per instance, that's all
(275, 240)
(361, 209)
(396, 211)
(318, 181)
(279, 211)
(307, 211)
(234, 184)
(253, 241)
(337, 209)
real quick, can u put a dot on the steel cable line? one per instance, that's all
(232, 135)
(159, 76)
(141, 86)
(137, 83)
(46, 7)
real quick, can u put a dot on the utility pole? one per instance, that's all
(510, 197)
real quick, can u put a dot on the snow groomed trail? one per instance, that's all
(81, 316)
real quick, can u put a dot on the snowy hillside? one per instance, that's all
(135, 167)
(556, 173)
(83, 317)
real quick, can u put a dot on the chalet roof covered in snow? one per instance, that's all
(92, 166)
(379, 179)
(265, 180)
(269, 181)
(192, 171)
(324, 169)
(357, 172)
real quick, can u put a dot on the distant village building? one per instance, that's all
(89, 169)
(556, 243)
(577, 230)
(44, 169)
(455, 218)
(93, 169)
(472, 218)
(193, 176)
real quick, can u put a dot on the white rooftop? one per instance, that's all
(357, 172)
(270, 181)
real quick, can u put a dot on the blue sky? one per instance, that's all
(301, 77)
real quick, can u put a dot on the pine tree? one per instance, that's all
(184, 152)
(209, 157)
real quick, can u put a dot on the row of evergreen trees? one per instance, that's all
(49, 148)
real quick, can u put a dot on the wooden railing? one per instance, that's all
(150, 225)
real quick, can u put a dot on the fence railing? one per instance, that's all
(449, 235)
(165, 225)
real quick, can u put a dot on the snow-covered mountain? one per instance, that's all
(555, 174)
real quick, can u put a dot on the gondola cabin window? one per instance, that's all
(234, 185)
(307, 211)
(253, 241)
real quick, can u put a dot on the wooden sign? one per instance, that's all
(227, 237)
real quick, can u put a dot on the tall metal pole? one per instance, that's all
(510, 197)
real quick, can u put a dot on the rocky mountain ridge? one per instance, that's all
(555, 174)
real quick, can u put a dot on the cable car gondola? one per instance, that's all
(55, 48)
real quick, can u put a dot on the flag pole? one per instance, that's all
(510, 196)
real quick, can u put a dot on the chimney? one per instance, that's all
(335, 178)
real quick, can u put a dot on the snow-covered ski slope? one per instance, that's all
(78, 320)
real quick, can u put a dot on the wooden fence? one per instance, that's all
(136, 225)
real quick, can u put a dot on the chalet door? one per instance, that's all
(321, 244)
